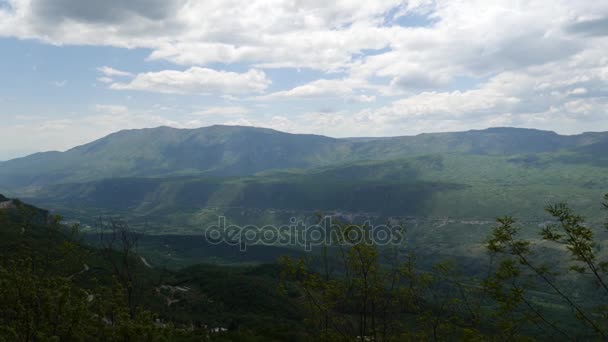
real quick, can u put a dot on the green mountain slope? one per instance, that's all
(239, 151)
(462, 186)
(168, 151)
(498, 141)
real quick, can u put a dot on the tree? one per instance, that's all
(357, 291)
(507, 285)
(119, 247)
(45, 294)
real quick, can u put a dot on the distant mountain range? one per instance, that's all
(240, 151)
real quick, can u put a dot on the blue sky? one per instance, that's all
(76, 70)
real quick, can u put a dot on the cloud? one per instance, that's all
(110, 72)
(473, 36)
(465, 38)
(549, 97)
(416, 79)
(196, 80)
(475, 39)
(106, 12)
(282, 33)
(321, 88)
(554, 96)
(105, 79)
(578, 91)
(273, 34)
(417, 65)
(363, 98)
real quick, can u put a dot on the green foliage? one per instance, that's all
(240, 299)
(351, 294)
(45, 294)
(349, 291)
(345, 291)
(53, 287)
(518, 275)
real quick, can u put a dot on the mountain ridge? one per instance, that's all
(222, 150)
(349, 138)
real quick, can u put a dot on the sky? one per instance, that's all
(72, 71)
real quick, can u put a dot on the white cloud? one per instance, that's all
(323, 88)
(318, 88)
(472, 36)
(549, 97)
(198, 80)
(460, 64)
(105, 79)
(363, 98)
(110, 72)
(578, 91)
(317, 34)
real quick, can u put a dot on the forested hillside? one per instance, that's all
(239, 151)
(54, 286)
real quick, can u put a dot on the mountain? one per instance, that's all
(215, 150)
(501, 141)
(240, 151)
